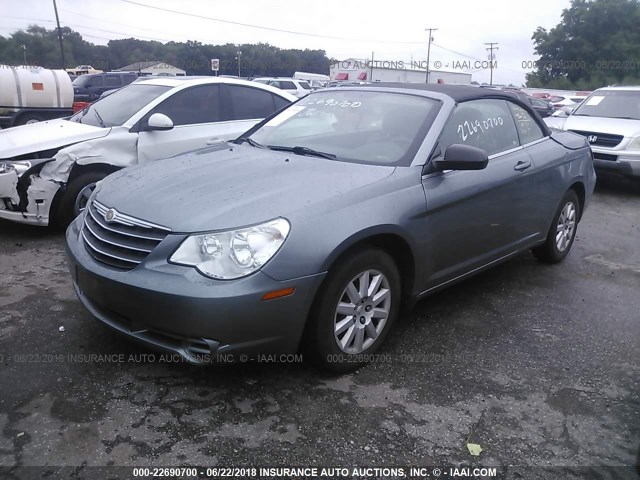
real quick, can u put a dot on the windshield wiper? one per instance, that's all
(99, 117)
(302, 151)
(250, 141)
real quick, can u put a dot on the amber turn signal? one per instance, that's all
(283, 292)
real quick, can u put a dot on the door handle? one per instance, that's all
(522, 165)
(215, 141)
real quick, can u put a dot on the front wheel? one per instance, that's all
(354, 311)
(76, 196)
(562, 232)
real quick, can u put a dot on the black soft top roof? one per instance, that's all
(462, 93)
(459, 93)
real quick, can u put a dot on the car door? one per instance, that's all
(473, 217)
(546, 180)
(198, 121)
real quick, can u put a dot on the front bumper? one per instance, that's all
(623, 162)
(40, 195)
(177, 310)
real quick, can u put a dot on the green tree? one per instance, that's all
(42, 48)
(597, 43)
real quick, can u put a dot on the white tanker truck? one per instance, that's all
(33, 94)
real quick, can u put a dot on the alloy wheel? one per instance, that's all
(362, 311)
(566, 226)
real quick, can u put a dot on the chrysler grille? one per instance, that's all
(117, 239)
(601, 139)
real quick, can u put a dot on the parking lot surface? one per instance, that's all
(538, 364)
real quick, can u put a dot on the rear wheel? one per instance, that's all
(29, 118)
(562, 232)
(76, 196)
(354, 311)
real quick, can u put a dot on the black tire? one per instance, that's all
(29, 118)
(67, 209)
(320, 343)
(549, 252)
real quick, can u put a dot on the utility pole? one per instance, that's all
(429, 49)
(239, 57)
(55, 8)
(371, 74)
(24, 52)
(490, 49)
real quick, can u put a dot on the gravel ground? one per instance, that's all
(539, 365)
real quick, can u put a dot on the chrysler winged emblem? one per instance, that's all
(592, 138)
(110, 215)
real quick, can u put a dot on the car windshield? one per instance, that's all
(80, 81)
(354, 126)
(611, 104)
(115, 109)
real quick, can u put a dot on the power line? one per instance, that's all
(457, 53)
(261, 27)
(113, 23)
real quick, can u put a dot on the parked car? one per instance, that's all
(50, 168)
(88, 88)
(560, 102)
(543, 107)
(82, 70)
(610, 120)
(315, 80)
(296, 87)
(314, 226)
(565, 111)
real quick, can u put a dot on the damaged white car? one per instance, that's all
(49, 169)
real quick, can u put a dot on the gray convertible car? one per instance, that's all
(310, 230)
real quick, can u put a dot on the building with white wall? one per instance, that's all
(153, 68)
(353, 69)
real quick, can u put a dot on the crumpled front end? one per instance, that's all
(24, 196)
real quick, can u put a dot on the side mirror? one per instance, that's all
(462, 157)
(159, 121)
(569, 110)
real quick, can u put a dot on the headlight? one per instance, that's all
(234, 253)
(635, 145)
(19, 167)
(6, 167)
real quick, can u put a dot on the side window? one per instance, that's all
(528, 130)
(192, 106)
(127, 79)
(248, 103)
(305, 85)
(486, 124)
(95, 82)
(112, 81)
(287, 85)
(280, 102)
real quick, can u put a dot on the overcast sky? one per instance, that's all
(395, 30)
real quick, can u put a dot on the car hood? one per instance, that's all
(615, 126)
(233, 187)
(52, 134)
